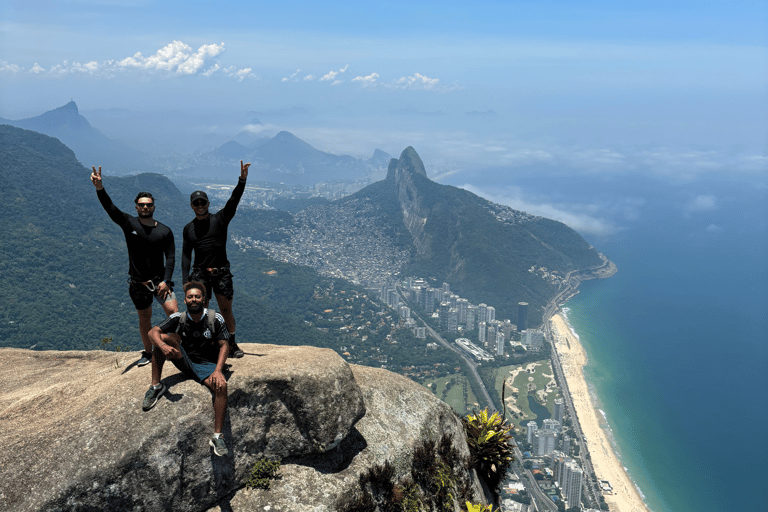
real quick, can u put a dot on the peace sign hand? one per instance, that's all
(244, 170)
(96, 178)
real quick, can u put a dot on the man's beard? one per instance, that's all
(195, 308)
(147, 215)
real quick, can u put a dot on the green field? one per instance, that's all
(522, 382)
(454, 390)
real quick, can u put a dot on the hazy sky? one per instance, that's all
(677, 88)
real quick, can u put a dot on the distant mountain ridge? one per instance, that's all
(90, 145)
(286, 158)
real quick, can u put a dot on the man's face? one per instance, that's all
(194, 300)
(200, 207)
(145, 207)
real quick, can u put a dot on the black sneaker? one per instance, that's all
(152, 395)
(235, 351)
(219, 446)
(146, 358)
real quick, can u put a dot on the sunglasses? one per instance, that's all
(145, 205)
(199, 202)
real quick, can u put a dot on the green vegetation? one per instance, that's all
(263, 472)
(436, 481)
(490, 445)
(517, 390)
(455, 390)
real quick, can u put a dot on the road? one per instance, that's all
(470, 363)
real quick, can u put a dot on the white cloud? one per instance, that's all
(6, 67)
(291, 78)
(714, 228)
(331, 75)
(176, 58)
(701, 204)
(309, 78)
(570, 215)
(417, 81)
(367, 81)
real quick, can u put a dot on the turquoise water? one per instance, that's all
(677, 343)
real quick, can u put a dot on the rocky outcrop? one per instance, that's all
(415, 213)
(77, 438)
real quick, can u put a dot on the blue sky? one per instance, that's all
(675, 89)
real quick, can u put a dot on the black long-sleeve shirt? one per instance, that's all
(208, 237)
(147, 245)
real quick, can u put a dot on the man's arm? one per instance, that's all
(231, 207)
(113, 211)
(169, 351)
(170, 256)
(186, 256)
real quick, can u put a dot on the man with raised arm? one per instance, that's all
(149, 242)
(200, 355)
(206, 235)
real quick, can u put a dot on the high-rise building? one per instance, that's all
(531, 429)
(490, 313)
(452, 324)
(446, 287)
(405, 312)
(522, 316)
(471, 317)
(481, 332)
(445, 307)
(420, 332)
(462, 305)
(482, 314)
(499, 343)
(559, 410)
(570, 484)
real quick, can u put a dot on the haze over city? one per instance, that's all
(674, 91)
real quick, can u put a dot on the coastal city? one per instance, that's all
(554, 469)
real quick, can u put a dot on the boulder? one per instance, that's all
(77, 438)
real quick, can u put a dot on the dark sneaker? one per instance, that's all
(235, 351)
(146, 358)
(219, 447)
(152, 395)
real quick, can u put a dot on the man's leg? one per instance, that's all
(145, 324)
(219, 405)
(157, 388)
(170, 307)
(219, 413)
(225, 308)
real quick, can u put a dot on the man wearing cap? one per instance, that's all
(206, 235)
(149, 242)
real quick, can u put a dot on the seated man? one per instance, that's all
(200, 354)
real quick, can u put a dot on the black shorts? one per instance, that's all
(220, 282)
(142, 296)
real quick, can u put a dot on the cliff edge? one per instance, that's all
(78, 439)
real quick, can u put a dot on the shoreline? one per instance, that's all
(625, 497)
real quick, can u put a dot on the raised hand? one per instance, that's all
(244, 170)
(96, 178)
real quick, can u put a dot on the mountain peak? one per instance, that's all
(409, 162)
(69, 108)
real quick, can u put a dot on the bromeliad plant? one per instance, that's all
(490, 445)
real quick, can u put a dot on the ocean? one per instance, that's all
(677, 343)
(677, 340)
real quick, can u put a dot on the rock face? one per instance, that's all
(403, 171)
(78, 439)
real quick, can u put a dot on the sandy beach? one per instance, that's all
(624, 497)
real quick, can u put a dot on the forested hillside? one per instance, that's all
(65, 264)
